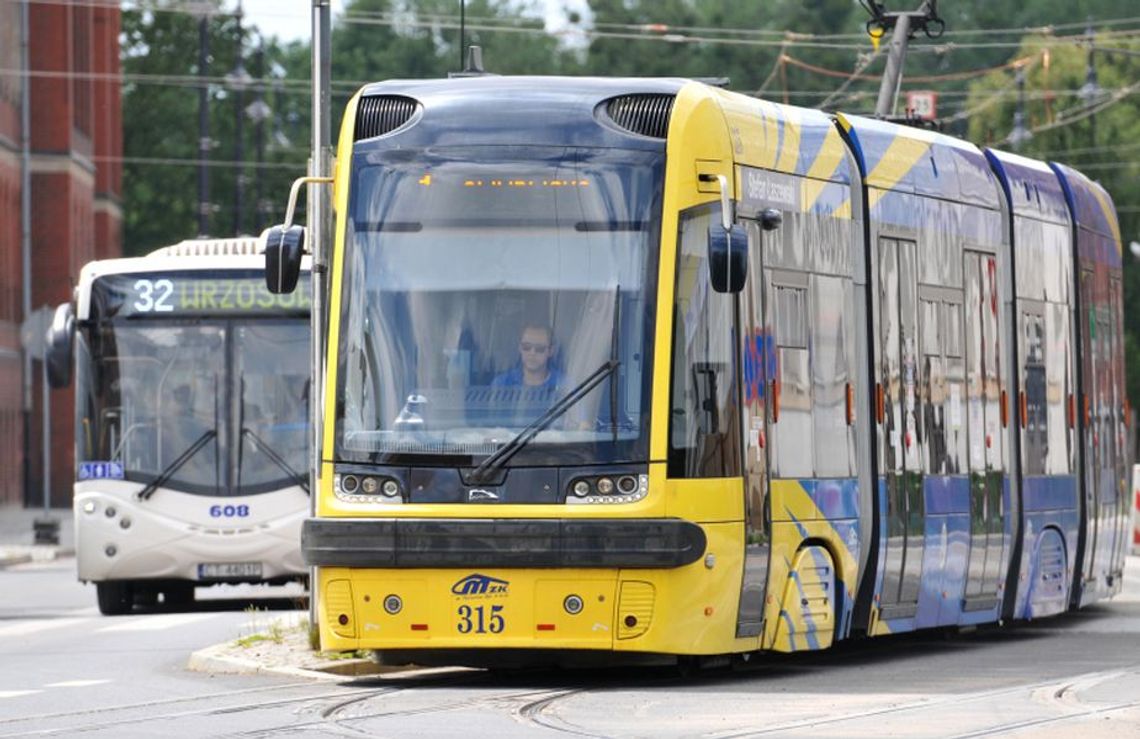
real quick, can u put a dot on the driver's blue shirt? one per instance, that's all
(517, 404)
(514, 378)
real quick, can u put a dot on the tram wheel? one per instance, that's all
(115, 597)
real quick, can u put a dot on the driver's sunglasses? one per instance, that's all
(526, 346)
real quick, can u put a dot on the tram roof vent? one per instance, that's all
(646, 114)
(244, 246)
(377, 115)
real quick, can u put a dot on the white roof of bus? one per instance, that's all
(192, 254)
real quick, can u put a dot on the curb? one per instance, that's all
(8, 560)
(212, 660)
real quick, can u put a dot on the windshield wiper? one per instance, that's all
(495, 462)
(176, 465)
(276, 458)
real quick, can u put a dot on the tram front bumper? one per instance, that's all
(395, 543)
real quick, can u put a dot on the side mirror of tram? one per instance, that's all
(728, 258)
(284, 248)
(58, 348)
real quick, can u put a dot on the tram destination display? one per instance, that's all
(192, 293)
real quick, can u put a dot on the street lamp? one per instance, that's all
(1091, 91)
(258, 112)
(1020, 134)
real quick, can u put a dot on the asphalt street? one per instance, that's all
(65, 670)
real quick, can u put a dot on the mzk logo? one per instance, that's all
(476, 584)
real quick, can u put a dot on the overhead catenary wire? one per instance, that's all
(703, 35)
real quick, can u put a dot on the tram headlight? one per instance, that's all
(365, 487)
(110, 512)
(393, 604)
(612, 489)
(627, 484)
(89, 507)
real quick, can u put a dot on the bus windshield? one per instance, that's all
(205, 405)
(483, 286)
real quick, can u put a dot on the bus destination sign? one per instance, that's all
(193, 293)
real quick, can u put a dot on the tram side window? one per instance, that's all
(703, 425)
(1034, 416)
(1059, 385)
(830, 362)
(954, 369)
(932, 393)
(791, 406)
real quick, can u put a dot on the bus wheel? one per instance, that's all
(178, 595)
(115, 597)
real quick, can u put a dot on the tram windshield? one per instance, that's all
(481, 288)
(209, 401)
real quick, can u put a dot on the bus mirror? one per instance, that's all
(58, 347)
(283, 250)
(771, 219)
(728, 258)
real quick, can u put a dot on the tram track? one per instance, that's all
(107, 711)
(1061, 694)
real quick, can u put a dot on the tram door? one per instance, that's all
(758, 354)
(1091, 364)
(986, 438)
(897, 391)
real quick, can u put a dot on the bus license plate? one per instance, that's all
(228, 570)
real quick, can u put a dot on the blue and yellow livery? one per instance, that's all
(648, 367)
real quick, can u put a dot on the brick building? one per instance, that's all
(75, 149)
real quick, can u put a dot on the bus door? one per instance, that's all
(758, 355)
(898, 393)
(1089, 406)
(986, 437)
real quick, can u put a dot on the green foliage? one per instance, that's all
(384, 39)
(1103, 146)
(160, 136)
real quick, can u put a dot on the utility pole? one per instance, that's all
(319, 237)
(905, 26)
(203, 124)
(26, 232)
(238, 80)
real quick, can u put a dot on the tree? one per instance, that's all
(160, 121)
(1101, 145)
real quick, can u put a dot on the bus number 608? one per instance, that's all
(474, 620)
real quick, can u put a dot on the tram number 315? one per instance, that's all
(480, 620)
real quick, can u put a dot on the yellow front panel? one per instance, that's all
(457, 609)
(690, 610)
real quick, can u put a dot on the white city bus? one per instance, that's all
(192, 397)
